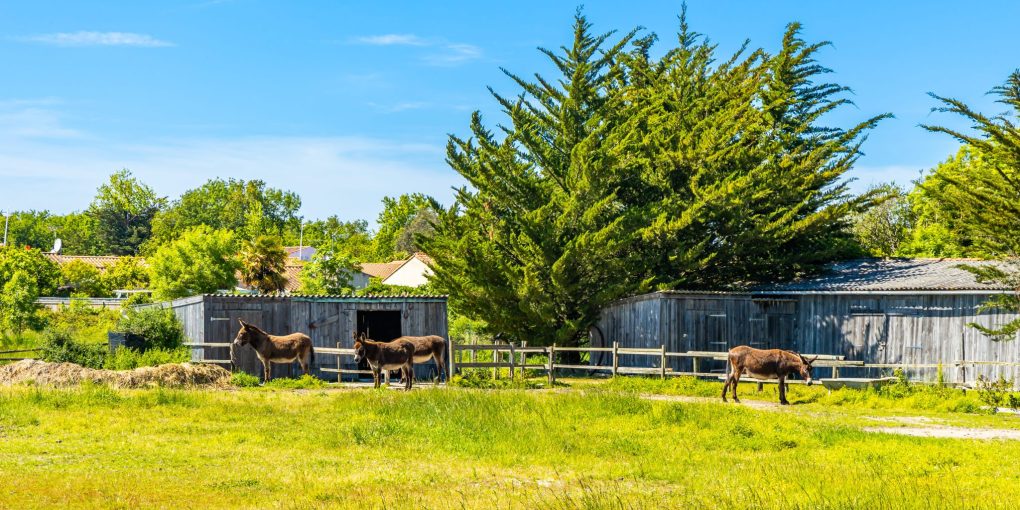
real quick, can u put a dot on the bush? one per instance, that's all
(305, 382)
(157, 326)
(126, 358)
(84, 279)
(482, 379)
(244, 380)
(60, 346)
(84, 321)
(997, 392)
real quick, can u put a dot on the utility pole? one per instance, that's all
(7, 219)
(301, 241)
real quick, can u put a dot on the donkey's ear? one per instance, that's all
(243, 324)
(354, 335)
(813, 360)
(803, 359)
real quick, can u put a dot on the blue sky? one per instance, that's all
(346, 102)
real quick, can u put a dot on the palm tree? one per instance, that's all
(262, 264)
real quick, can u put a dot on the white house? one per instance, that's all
(412, 272)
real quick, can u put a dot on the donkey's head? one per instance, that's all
(245, 334)
(359, 347)
(805, 368)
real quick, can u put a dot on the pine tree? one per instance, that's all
(626, 173)
(987, 197)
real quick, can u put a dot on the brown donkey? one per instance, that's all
(429, 347)
(386, 356)
(766, 364)
(276, 349)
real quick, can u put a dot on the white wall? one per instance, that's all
(414, 273)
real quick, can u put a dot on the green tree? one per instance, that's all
(626, 173)
(248, 208)
(82, 279)
(128, 273)
(44, 271)
(984, 196)
(939, 229)
(123, 210)
(349, 238)
(202, 260)
(17, 303)
(263, 262)
(398, 215)
(883, 228)
(39, 229)
(329, 271)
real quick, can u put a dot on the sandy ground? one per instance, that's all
(917, 426)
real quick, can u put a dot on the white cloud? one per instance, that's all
(84, 38)
(442, 53)
(392, 40)
(454, 54)
(33, 118)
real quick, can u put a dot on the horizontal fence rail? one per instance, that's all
(517, 359)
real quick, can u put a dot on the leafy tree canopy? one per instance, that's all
(399, 220)
(263, 262)
(201, 260)
(248, 208)
(123, 210)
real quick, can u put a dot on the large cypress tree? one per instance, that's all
(986, 198)
(625, 173)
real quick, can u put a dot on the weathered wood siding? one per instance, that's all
(326, 320)
(923, 328)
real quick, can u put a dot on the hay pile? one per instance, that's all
(68, 374)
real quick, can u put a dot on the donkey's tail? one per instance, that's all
(311, 354)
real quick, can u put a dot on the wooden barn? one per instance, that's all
(213, 318)
(889, 311)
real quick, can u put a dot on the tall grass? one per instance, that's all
(450, 448)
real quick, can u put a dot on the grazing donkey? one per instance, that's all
(386, 356)
(766, 364)
(429, 347)
(276, 349)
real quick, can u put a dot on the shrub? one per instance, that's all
(127, 273)
(60, 346)
(305, 382)
(244, 380)
(84, 321)
(482, 379)
(126, 358)
(17, 302)
(997, 392)
(157, 326)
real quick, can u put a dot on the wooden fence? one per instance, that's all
(516, 359)
(15, 355)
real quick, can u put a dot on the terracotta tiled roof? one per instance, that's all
(291, 272)
(99, 261)
(381, 270)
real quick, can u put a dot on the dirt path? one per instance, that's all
(916, 426)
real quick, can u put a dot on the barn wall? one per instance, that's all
(326, 321)
(874, 328)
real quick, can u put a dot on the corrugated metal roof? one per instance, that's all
(879, 275)
(328, 296)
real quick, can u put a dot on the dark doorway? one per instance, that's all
(378, 326)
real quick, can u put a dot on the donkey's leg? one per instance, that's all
(782, 391)
(441, 365)
(305, 361)
(761, 387)
(736, 382)
(726, 386)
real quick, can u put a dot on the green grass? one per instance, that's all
(592, 446)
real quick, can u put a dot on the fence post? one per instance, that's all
(339, 367)
(662, 362)
(512, 356)
(835, 372)
(616, 358)
(495, 360)
(453, 363)
(524, 357)
(552, 364)
(696, 365)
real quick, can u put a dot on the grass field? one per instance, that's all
(589, 445)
